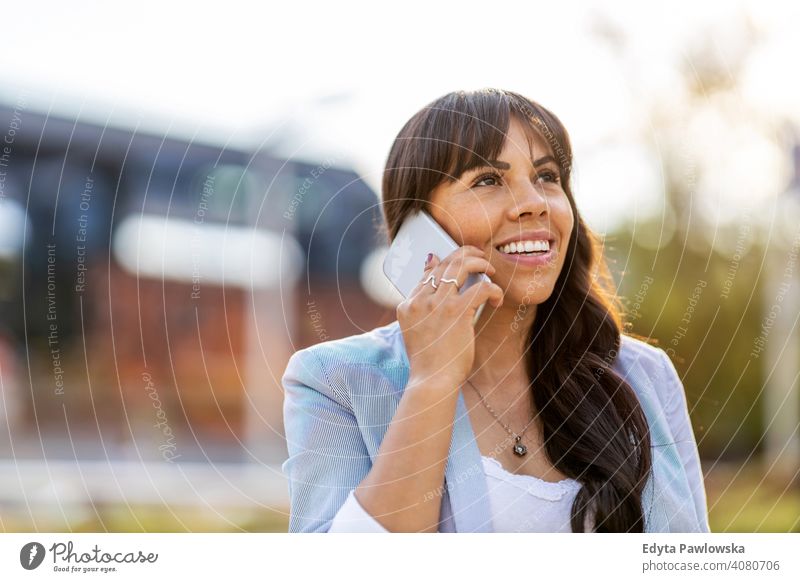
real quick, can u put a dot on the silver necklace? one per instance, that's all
(519, 449)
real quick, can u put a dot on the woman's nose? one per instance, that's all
(528, 198)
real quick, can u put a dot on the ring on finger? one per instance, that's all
(444, 280)
(432, 279)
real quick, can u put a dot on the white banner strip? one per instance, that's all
(405, 557)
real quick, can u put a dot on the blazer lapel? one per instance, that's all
(465, 480)
(652, 503)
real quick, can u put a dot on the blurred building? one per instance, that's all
(153, 288)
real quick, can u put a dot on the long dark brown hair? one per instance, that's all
(594, 428)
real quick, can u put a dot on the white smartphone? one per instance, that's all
(419, 235)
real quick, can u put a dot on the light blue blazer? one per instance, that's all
(341, 395)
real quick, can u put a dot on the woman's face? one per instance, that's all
(519, 200)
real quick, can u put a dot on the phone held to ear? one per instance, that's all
(419, 235)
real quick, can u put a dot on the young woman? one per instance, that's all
(542, 417)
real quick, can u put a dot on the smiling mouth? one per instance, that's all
(528, 248)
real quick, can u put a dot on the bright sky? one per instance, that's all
(321, 79)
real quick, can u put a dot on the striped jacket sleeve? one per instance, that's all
(673, 399)
(327, 455)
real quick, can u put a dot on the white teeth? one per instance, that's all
(527, 246)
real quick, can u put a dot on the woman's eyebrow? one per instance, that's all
(505, 165)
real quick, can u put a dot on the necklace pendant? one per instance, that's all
(519, 448)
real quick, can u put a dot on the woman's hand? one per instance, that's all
(437, 323)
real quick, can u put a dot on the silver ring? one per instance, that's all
(454, 281)
(432, 279)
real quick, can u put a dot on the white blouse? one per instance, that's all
(522, 503)
(519, 503)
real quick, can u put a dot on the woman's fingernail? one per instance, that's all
(428, 259)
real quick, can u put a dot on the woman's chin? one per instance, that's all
(519, 302)
(527, 294)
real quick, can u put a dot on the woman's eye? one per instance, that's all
(486, 177)
(552, 176)
(549, 176)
